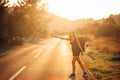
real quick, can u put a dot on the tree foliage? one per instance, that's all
(25, 21)
(108, 27)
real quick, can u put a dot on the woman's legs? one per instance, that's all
(76, 58)
(80, 63)
(73, 64)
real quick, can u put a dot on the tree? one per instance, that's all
(4, 36)
(23, 20)
(109, 28)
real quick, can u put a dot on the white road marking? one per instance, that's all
(41, 50)
(37, 54)
(17, 73)
(48, 45)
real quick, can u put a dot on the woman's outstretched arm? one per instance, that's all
(64, 38)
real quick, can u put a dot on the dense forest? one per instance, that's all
(24, 21)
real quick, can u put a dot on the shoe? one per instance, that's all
(72, 75)
(85, 75)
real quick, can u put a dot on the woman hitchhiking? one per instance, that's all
(77, 48)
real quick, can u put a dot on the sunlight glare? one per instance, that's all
(76, 9)
(64, 47)
(12, 3)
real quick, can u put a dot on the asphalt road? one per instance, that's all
(48, 60)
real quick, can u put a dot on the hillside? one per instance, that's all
(63, 24)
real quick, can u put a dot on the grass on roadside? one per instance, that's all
(104, 65)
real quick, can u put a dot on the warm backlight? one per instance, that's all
(76, 9)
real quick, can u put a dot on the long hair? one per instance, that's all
(72, 35)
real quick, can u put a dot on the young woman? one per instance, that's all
(77, 48)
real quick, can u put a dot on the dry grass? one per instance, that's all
(107, 44)
(100, 56)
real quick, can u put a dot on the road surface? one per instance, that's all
(48, 60)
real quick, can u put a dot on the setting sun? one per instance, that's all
(76, 9)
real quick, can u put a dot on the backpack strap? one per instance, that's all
(78, 43)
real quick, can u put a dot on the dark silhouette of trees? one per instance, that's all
(25, 21)
(4, 35)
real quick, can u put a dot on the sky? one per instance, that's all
(77, 9)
